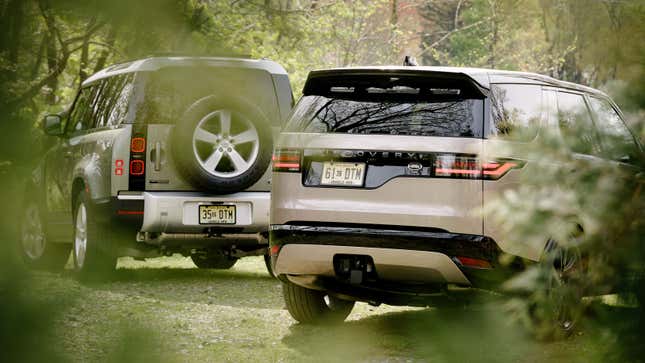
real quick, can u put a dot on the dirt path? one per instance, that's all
(167, 310)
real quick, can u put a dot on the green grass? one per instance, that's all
(167, 310)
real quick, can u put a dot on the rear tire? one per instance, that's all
(267, 263)
(92, 261)
(217, 261)
(36, 251)
(561, 311)
(314, 307)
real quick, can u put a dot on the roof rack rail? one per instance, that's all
(128, 61)
(198, 54)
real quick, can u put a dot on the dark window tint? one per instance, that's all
(80, 118)
(110, 104)
(121, 101)
(516, 110)
(616, 138)
(169, 92)
(576, 125)
(425, 117)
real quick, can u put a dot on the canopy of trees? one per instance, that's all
(48, 47)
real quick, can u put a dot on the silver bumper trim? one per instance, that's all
(390, 264)
(177, 212)
(130, 196)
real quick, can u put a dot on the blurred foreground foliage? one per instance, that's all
(591, 208)
(48, 47)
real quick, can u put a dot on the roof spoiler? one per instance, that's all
(353, 81)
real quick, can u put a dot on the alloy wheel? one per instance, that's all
(33, 234)
(80, 236)
(225, 143)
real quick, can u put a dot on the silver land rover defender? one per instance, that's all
(158, 156)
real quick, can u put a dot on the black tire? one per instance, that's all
(562, 309)
(187, 155)
(96, 262)
(267, 263)
(217, 261)
(35, 249)
(314, 307)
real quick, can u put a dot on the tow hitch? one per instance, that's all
(355, 268)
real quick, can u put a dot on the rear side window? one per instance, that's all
(390, 105)
(576, 125)
(80, 118)
(110, 105)
(516, 111)
(615, 136)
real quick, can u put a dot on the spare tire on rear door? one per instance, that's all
(222, 144)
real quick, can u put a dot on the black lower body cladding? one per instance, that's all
(476, 256)
(451, 244)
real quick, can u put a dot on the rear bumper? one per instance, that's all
(178, 212)
(391, 264)
(400, 256)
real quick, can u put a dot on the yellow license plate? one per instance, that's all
(217, 214)
(343, 174)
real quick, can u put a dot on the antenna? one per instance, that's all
(410, 61)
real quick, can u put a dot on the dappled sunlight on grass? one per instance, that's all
(166, 311)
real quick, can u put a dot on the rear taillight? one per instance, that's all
(138, 155)
(470, 167)
(137, 165)
(138, 145)
(496, 169)
(286, 160)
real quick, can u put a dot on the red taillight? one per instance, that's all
(286, 160)
(273, 251)
(473, 262)
(137, 167)
(451, 165)
(495, 170)
(469, 167)
(138, 145)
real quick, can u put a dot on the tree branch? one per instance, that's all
(450, 33)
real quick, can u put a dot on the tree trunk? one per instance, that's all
(12, 31)
(394, 14)
(494, 25)
(85, 50)
(105, 53)
(52, 65)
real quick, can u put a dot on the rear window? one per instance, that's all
(390, 105)
(168, 92)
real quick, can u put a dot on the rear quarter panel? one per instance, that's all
(493, 192)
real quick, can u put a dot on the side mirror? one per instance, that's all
(53, 125)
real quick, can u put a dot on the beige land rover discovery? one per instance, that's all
(379, 177)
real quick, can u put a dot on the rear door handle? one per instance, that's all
(68, 154)
(158, 156)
